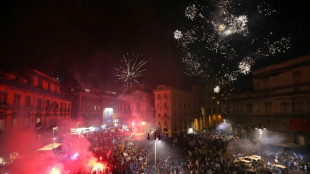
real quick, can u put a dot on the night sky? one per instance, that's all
(84, 40)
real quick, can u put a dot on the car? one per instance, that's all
(252, 158)
(257, 157)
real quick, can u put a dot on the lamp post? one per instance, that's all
(54, 128)
(156, 137)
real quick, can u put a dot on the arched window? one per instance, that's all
(298, 105)
(284, 106)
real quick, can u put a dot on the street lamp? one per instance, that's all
(54, 128)
(156, 137)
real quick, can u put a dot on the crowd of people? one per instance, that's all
(193, 154)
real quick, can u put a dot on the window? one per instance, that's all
(268, 107)
(40, 83)
(61, 107)
(165, 105)
(284, 106)
(298, 105)
(16, 99)
(165, 129)
(266, 83)
(38, 119)
(158, 96)
(48, 86)
(2, 125)
(158, 114)
(3, 97)
(297, 77)
(165, 115)
(138, 107)
(27, 100)
(249, 107)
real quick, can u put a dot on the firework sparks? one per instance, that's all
(239, 24)
(131, 70)
(266, 9)
(217, 42)
(271, 48)
(178, 34)
(190, 12)
(216, 89)
(245, 65)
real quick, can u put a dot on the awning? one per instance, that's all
(50, 147)
(290, 145)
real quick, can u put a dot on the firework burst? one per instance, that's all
(216, 89)
(245, 65)
(217, 43)
(131, 70)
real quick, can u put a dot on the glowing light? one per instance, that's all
(245, 65)
(190, 12)
(216, 89)
(133, 124)
(239, 24)
(55, 171)
(99, 167)
(108, 114)
(143, 122)
(178, 34)
(74, 157)
(221, 27)
(96, 166)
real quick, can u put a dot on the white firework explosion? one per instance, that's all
(239, 24)
(131, 70)
(178, 34)
(190, 12)
(210, 42)
(216, 89)
(245, 65)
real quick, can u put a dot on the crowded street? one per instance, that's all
(198, 153)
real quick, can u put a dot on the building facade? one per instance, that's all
(279, 102)
(179, 112)
(87, 107)
(30, 98)
(137, 108)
